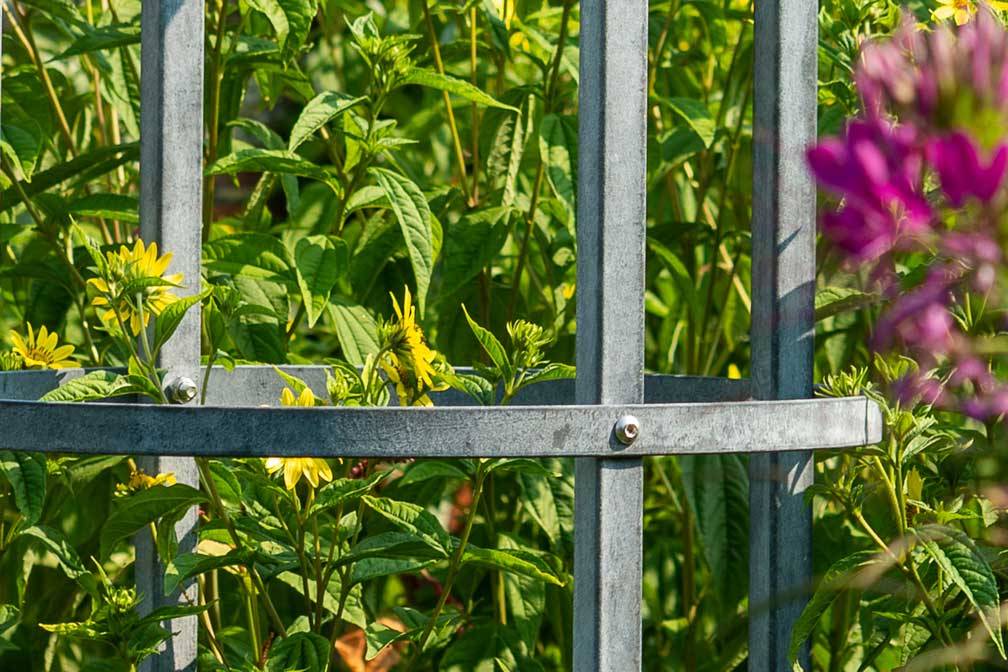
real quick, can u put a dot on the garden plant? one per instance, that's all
(389, 190)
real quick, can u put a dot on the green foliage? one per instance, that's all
(353, 150)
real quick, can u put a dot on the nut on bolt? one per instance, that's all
(181, 390)
(627, 429)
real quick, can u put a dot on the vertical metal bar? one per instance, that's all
(783, 254)
(170, 214)
(610, 336)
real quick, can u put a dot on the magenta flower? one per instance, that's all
(876, 169)
(962, 172)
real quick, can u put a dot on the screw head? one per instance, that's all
(181, 390)
(627, 429)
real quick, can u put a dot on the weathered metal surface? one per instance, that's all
(256, 385)
(171, 168)
(784, 234)
(578, 431)
(611, 209)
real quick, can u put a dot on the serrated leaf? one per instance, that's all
(831, 301)
(514, 561)
(319, 262)
(342, 491)
(537, 498)
(833, 583)
(56, 543)
(414, 217)
(413, 519)
(471, 244)
(112, 36)
(144, 507)
(185, 566)
(26, 473)
(963, 563)
(110, 206)
(302, 651)
(459, 87)
(280, 161)
(493, 347)
(173, 314)
(318, 112)
(696, 115)
(557, 148)
(92, 386)
(356, 330)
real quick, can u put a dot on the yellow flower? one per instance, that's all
(40, 351)
(139, 480)
(313, 469)
(117, 299)
(962, 10)
(405, 340)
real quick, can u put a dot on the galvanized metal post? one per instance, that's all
(610, 336)
(784, 235)
(170, 214)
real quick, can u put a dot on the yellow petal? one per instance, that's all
(943, 13)
(324, 471)
(63, 352)
(292, 473)
(287, 397)
(306, 398)
(274, 464)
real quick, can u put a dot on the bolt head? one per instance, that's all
(627, 429)
(182, 390)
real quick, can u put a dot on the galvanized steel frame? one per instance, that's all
(682, 415)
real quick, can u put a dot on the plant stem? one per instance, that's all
(456, 140)
(213, 141)
(453, 567)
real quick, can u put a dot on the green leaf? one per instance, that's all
(491, 346)
(963, 564)
(281, 161)
(424, 470)
(434, 80)
(144, 507)
(356, 330)
(836, 580)
(22, 145)
(110, 206)
(171, 612)
(343, 490)
(319, 262)
(514, 561)
(172, 315)
(831, 301)
(552, 371)
(56, 543)
(272, 10)
(92, 386)
(471, 244)
(26, 473)
(302, 651)
(82, 169)
(717, 488)
(414, 216)
(111, 36)
(557, 148)
(318, 112)
(537, 497)
(185, 566)
(378, 636)
(696, 114)
(254, 255)
(413, 519)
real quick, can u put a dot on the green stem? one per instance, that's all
(453, 567)
(453, 127)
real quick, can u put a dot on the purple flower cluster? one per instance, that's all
(921, 173)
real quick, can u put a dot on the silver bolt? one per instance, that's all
(627, 429)
(181, 390)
